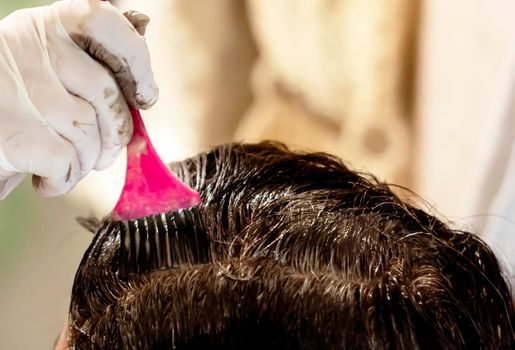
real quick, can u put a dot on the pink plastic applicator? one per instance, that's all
(157, 216)
(150, 187)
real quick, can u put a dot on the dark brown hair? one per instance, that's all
(306, 254)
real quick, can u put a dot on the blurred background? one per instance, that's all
(420, 93)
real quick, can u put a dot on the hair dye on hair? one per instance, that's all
(303, 254)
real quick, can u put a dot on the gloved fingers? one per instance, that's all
(75, 120)
(115, 125)
(105, 34)
(70, 116)
(39, 150)
(64, 175)
(138, 20)
(92, 82)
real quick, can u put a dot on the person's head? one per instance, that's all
(306, 254)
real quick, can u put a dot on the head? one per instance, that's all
(304, 254)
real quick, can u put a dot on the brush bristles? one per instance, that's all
(162, 241)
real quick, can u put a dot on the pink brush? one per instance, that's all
(157, 215)
(150, 187)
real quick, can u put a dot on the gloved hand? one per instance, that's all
(66, 72)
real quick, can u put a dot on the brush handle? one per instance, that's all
(150, 187)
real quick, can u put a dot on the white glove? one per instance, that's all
(65, 73)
